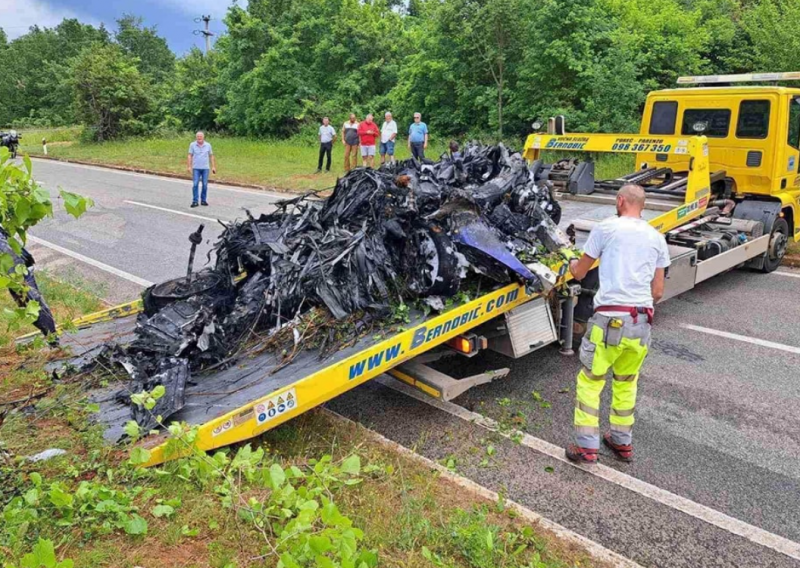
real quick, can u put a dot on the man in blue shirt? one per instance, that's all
(418, 137)
(197, 163)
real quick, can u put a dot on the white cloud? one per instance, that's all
(26, 13)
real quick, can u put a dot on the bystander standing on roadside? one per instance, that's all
(418, 137)
(388, 135)
(367, 133)
(350, 142)
(327, 135)
(201, 157)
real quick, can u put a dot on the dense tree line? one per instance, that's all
(478, 67)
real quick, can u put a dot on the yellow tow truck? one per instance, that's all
(718, 206)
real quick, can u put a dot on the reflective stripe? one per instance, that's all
(590, 430)
(617, 412)
(624, 377)
(621, 428)
(589, 375)
(586, 408)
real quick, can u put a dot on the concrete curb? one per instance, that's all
(593, 549)
(162, 174)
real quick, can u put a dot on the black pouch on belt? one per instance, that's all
(612, 334)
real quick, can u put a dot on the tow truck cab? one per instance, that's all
(753, 137)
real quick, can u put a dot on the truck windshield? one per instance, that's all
(718, 120)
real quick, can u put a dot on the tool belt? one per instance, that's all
(631, 310)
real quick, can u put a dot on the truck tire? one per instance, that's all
(777, 245)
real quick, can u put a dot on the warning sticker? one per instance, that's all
(275, 406)
(224, 427)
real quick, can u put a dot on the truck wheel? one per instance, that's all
(777, 245)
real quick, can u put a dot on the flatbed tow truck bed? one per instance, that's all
(258, 393)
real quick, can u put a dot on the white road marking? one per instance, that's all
(184, 213)
(707, 514)
(790, 274)
(257, 192)
(745, 338)
(92, 262)
(596, 550)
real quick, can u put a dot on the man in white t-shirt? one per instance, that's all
(633, 260)
(388, 134)
(327, 136)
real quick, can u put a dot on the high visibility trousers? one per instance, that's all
(625, 361)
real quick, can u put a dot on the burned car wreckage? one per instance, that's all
(407, 231)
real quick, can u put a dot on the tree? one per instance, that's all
(110, 93)
(154, 57)
(497, 31)
(770, 26)
(34, 84)
(3, 39)
(197, 92)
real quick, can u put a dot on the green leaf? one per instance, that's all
(163, 511)
(74, 203)
(158, 392)
(324, 562)
(320, 544)
(44, 554)
(288, 561)
(549, 469)
(36, 478)
(58, 497)
(132, 429)
(351, 465)
(276, 476)
(135, 525)
(186, 531)
(139, 455)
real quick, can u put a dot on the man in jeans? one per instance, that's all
(350, 143)
(388, 135)
(418, 137)
(327, 135)
(367, 133)
(197, 164)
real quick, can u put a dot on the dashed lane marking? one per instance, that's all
(92, 262)
(174, 211)
(711, 516)
(789, 274)
(744, 338)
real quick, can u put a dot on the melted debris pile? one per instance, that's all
(409, 230)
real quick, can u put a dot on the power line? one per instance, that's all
(205, 33)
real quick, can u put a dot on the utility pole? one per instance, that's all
(205, 33)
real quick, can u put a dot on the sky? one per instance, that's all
(174, 19)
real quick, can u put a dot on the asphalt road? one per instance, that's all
(717, 417)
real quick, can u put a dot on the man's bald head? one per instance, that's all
(630, 200)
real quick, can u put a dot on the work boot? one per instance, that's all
(204, 203)
(622, 453)
(581, 455)
(194, 204)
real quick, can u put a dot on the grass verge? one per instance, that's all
(287, 165)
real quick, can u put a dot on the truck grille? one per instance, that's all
(753, 159)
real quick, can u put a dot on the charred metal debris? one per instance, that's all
(407, 231)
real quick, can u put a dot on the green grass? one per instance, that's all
(287, 165)
(68, 299)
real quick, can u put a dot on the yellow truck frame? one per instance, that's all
(274, 408)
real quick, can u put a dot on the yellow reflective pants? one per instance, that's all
(597, 358)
